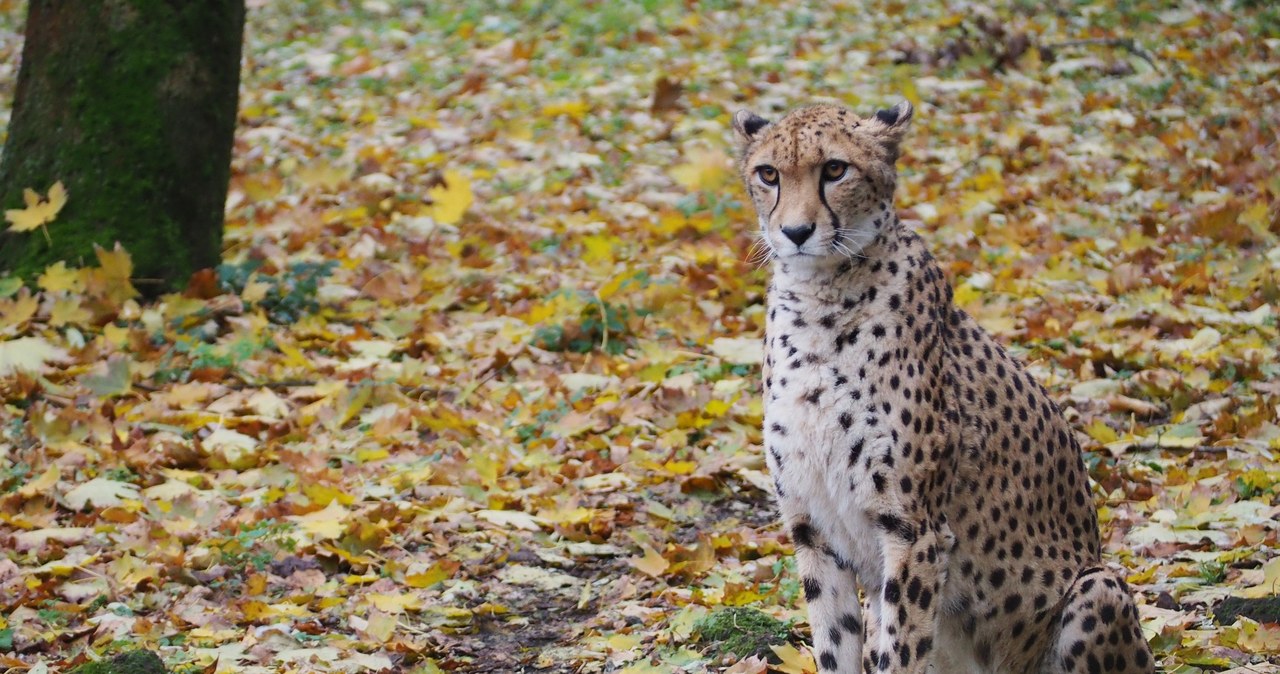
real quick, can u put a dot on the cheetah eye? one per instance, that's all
(768, 175)
(834, 170)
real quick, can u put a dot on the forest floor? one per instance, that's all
(477, 388)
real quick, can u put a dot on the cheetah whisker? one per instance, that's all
(759, 254)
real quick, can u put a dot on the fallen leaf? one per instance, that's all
(32, 355)
(793, 661)
(100, 492)
(652, 563)
(38, 211)
(452, 199)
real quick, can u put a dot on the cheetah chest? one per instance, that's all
(822, 436)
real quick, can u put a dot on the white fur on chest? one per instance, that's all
(820, 428)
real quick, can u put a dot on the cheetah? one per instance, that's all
(912, 457)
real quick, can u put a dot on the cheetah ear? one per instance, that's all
(893, 125)
(746, 125)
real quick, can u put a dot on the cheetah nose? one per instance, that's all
(799, 233)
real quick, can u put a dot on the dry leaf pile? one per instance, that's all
(477, 387)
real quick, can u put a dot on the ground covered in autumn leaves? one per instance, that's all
(477, 387)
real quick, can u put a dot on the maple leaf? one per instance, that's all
(111, 279)
(57, 277)
(452, 199)
(793, 660)
(38, 212)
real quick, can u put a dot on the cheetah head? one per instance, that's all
(821, 178)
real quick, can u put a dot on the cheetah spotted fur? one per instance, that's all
(913, 459)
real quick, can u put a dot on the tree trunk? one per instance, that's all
(132, 105)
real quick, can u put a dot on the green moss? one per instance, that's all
(136, 662)
(741, 632)
(1263, 610)
(131, 104)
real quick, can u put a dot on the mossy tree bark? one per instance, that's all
(132, 105)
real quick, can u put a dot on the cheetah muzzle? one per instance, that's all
(912, 457)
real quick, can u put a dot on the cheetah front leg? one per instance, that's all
(908, 615)
(831, 591)
(1098, 629)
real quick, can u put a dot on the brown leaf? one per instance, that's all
(666, 95)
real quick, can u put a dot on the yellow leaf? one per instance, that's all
(255, 291)
(116, 335)
(437, 573)
(370, 454)
(1143, 577)
(487, 466)
(1259, 638)
(615, 284)
(716, 409)
(574, 109)
(965, 294)
(67, 311)
(1100, 431)
(19, 310)
(1270, 584)
(63, 567)
(679, 467)
(653, 563)
(294, 357)
(559, 305)
(41, 484)
(37, 212)
(323, 495)
(57, 277)
(1256, 217)
(111, 279)
(394, 603)
(705, 170)
(793, 660)
(324, 524)
(323, 175)
(116, 263)
(380, 626)
(577, 515)
(129, 571)
(598, 249)
(451, 200)
(57, 197)
(623, 642)
(520, 130)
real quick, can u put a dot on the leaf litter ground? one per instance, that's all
(476, 389)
